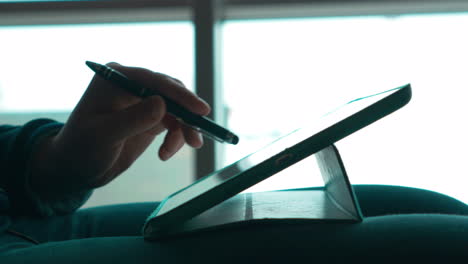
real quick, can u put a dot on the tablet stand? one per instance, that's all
(334, 202)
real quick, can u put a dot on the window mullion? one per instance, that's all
(207, 19)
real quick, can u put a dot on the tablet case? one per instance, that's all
(334, 202)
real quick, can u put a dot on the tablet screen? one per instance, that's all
(218, 178)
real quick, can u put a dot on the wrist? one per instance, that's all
(44, 165)
(51, 191)
(54, 169)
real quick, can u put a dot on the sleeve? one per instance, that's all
(17, 146)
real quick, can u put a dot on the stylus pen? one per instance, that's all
(197, 122)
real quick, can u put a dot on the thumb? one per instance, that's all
(135, 119)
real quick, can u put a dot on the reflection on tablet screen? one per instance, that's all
(219, 177)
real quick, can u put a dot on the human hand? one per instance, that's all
(110, 128)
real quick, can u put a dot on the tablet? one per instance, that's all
(280, 154)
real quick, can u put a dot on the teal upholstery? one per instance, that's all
(402, 225)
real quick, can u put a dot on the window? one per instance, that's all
(281, 74)
(284, 64)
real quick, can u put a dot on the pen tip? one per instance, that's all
(233, 139)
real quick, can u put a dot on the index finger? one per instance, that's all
(167, 86)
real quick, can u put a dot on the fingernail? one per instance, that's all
(164, 154)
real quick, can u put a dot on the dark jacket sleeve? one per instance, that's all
(17, 146)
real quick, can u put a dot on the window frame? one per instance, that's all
(118, 11)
